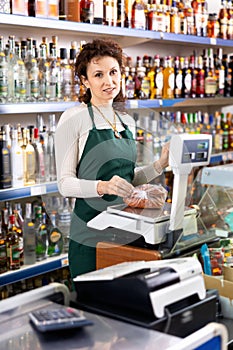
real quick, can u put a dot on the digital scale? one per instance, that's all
(166, 226)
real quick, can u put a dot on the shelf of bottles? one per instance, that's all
(29, 271)
(124, 35)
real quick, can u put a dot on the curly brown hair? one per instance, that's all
(98, 48)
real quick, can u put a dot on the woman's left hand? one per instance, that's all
(164, 155)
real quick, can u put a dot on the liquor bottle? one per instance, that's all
(210, 77)
(220, 72)
(178, 77)
(175, 19)
(12, 61)
(129, 82)
(230, 128)
(3, 252)
(223, 20)
(230, 20)
(225, 131)
(55, 76)
(44, 74)
(52, 9)
(188, 13)
(231, 67)
(19, 229)
(5, 163)
(32, 91)
(29, 236)
(128, 13)
(66, 75)
(186, 79)
(228, 76)
(64, 219)
(157, 89)
(20, 76)
(213, 26)
(41, 232)
(197, 11)
(39, 156)
(110, 12)
(16, 161)
(218, 140)
(75, 83)
(168, 77)
(121, 18)
(3, 74)
(29, 161)
(194, 71)
(87, 11)
(55, 246)
(200, 92)
(138, 20)
(51, 148)
(204, 18)
(12, 242)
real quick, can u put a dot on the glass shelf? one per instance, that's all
(29, 271)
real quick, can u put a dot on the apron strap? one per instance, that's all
(90, 110)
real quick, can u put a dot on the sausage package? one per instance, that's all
(147, 196)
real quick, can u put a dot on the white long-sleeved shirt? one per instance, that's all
(70, 139)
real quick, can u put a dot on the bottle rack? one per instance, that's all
(126, 38)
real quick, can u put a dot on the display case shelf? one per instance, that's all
(29, 271)
(28, 191)
(59, 107)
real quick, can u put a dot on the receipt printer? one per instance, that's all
(166, 295)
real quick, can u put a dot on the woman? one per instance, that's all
(96, 151)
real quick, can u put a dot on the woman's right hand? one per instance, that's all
(117, 186)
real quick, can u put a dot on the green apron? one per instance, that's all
(103, 156)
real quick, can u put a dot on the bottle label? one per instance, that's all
(159, 81)
(171, 81)
(179, 81)
(188, 82)
(55, 236)
(139, 22)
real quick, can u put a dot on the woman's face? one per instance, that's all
(103, 79)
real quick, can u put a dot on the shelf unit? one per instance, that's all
(127, 38)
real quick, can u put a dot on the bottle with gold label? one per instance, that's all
(168, 77)
(210, 76)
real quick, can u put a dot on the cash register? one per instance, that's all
(169, 294)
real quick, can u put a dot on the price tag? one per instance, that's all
(64, 261)
(213, 41)
(160, 102)
(38, 190)
(133, 103)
